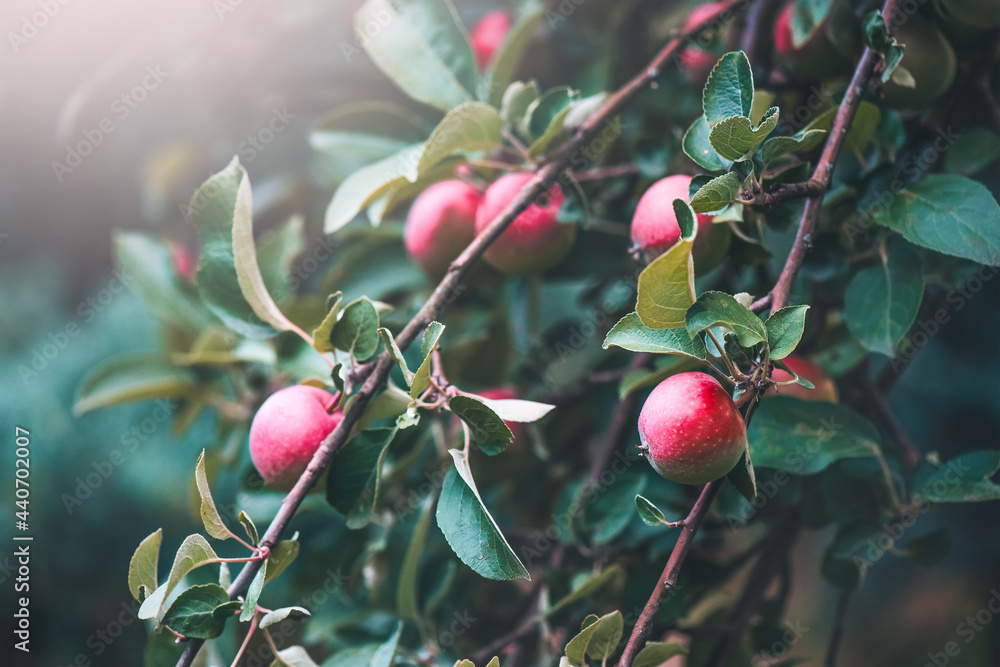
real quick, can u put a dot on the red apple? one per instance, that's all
(655, 229)
(817, 58)
(696, 60)
(535, 241)
(690, 429)
(440, 224)
(184, 263)
(826, 389)
(488, 35)
(287, 431)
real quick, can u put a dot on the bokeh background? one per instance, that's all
(227, 69)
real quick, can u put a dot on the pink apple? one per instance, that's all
(184, 263)
(535, 241)
(287, 431)
(488, 35)
(826, 389)
(440, 224)
(690, 429)
(655, 229)
(817, 58)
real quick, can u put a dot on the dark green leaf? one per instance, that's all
(964, 479)
(784, 330)
(200, 612)
(281, 556)
(648, 512)
(631, 334)
(972, 152)
(422, 47)
(489, 432)
(356, 330)
(714, 309)
(248, 525)
(592, 584)
(951, 214)
(729, 89)
(881, 303)
(775, 147)
(470, 530)
(355, 472)
(698, 147)
(406, 589)
(743, 478)
(804, 437)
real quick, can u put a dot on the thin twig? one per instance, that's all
(620, 421)
(449, 287)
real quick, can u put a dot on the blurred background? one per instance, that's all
(111, 114)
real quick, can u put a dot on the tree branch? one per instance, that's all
(446, 291)
(839, 625)
(820, 181)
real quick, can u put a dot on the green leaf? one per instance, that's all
(386, 653)
(422, 377)
(687, 222)
(807, 17)
(470, 530)
(516, 100)
(654, 654)
(355, 331)
(631, 334)
(666, 288)
(406, 590)
(508, 57)
(775, 147)
(598, 640)
(544, 111)
(717, 194)
(929, 549)
(194, 552)
(293, 656)
(698, 146)
(148, 268)
(214, 524)
(854, 549)
(489, 433)
(200, 611)
(282, 555)
(228, 277)
(367, 184)
(964, 479)
(358, 133)
(881, 303)
(951, 214)
(805, 437)
(276, 254)
(743, 478)
(142, 567)
(278, 615)
(397, 354)
(130, 379)
(354, 475)
(249, 527)
(877, 37)
(718, 309)
(785, 329)
(471, 126)
(515, 409)
(592, 584)
(729, 89)
(972, 152)
(859, 134)
(734, 138)
(648, 512)
(253, 593)
(422, 47)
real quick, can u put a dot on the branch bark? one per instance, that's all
(446, 291)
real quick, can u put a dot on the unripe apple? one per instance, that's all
(817, 58)
(440, 224)
(698, 61)
(488, 35)
(655, 229)
(690, 429)
(975, 13)
(929, 58)
(506, 394)
(287, 431)
(826, 388)
(535, 241)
